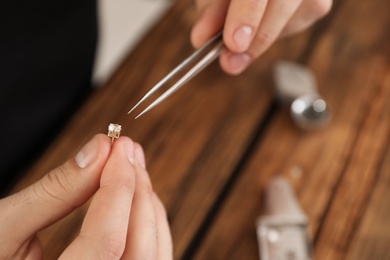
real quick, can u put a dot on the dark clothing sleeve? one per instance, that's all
(46, 55)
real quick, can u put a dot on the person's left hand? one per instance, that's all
(117, 174)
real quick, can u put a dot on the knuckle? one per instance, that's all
(111, 247)
(127, 188)
(126, 183)
(264, 37)
(254, 5)
(262, 41)
(55, 185)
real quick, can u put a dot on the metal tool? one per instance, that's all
(296, 85)
(211, 50)
(282, 232)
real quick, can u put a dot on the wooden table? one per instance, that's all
(215, 144)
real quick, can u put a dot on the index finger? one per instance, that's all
(103, 233)
(211, 18)
(242, 21)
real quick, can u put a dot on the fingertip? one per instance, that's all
(104, 144)
(238, 39)
(103, 138)
(196, 37)
(234, 63)
(197, 32)
(228, 39)
(208, 24)
(125, 140)
(125, 144)
(200, 33)
(94, 151)
(140, 155)
(223, 63)
(119, 169)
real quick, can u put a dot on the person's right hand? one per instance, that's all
(250, 27)
(125, 219)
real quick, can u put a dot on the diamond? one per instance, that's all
(114, 131)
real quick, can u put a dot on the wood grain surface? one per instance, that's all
(213, 146)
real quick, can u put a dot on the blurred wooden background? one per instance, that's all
(213, 146)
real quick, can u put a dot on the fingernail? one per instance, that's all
(129, 148)
(139, 154)
(242, 37)
(88, 154)
(238, 62)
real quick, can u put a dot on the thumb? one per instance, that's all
(56, 194)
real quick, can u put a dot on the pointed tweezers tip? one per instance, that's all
(139, 115)
(185, 63)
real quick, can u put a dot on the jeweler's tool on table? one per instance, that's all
(282, 232)
(296, 85)
(209, 55)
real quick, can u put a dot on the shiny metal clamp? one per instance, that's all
(282, 232)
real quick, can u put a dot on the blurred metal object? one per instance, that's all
(310, 112)
(296, 86)
(282, 232)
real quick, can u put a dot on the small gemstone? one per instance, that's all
(114, 128)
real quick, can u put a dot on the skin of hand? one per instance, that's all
(250, 27)
(116, 175)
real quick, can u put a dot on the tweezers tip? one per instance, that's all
(140, 114)
(131, 110)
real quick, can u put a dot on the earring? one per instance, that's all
(114, 131)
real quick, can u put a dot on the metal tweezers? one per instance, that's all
(209, 57)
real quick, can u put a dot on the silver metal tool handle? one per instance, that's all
(282, 232)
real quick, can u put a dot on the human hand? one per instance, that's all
(252, 26)
(109, 231)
